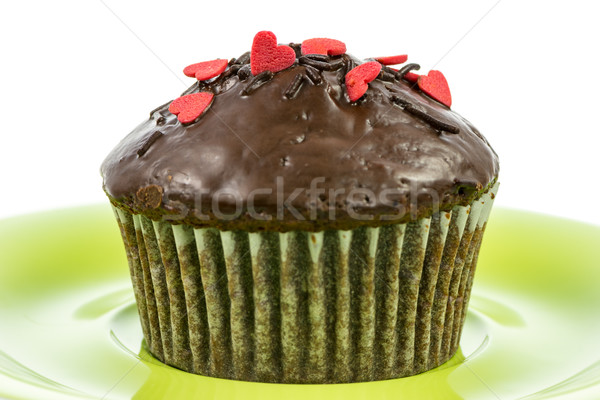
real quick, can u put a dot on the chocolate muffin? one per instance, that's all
(299, 215)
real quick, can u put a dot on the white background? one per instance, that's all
(77, 76)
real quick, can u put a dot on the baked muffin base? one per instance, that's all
(306, 307)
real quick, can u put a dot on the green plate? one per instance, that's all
(69, 328)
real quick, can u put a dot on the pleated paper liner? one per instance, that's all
(305, 307)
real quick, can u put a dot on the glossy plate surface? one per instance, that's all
(69, 328)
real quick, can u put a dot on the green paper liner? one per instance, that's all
(305, 307)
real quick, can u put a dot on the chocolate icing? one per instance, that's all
(400, 153)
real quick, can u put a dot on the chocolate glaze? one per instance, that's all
(397, 163)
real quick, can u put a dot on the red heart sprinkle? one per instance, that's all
(411, 77)
(393, 60)
(266, 55)
(206, 69)
(435, 85)
(191, 106)
(325, 46)
(357, 79)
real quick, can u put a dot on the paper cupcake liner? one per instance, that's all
(305, 307)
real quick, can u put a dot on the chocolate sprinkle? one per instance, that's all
(318, 57)
(257, 82)
(321, 65)
(297, 48)
(390, 71)
(406, 69)
(243, 59)
(422, 115)
(244, 73)
(336, 64)
(231, 71)
(313, 74)
(294, 87)
(386, 76)
(348, 66)
(149, 142)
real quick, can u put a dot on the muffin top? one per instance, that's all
(303, 137)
